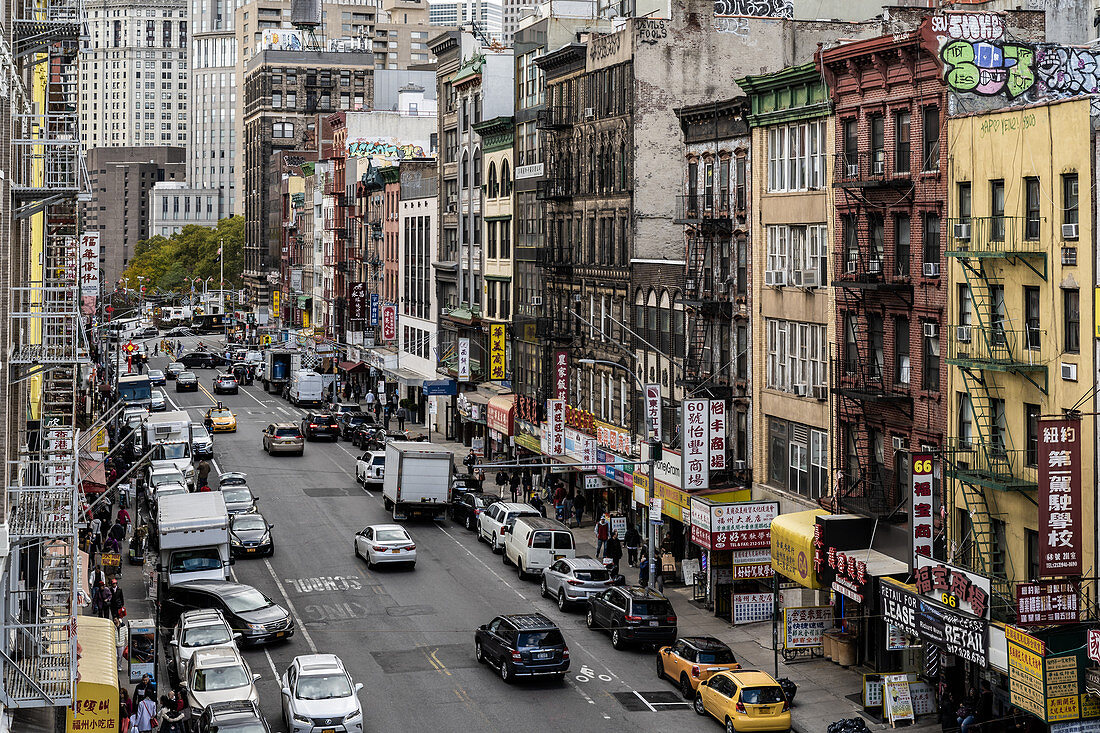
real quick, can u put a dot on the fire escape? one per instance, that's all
(988, 350)
(868, 280)
(555, 259)
(38, 655)
(337, 224)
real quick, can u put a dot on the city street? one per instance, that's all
(408, 636)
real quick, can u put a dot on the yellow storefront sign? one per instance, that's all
(793, 546)
(275, 302)
(674, 502)
(1062, 708)
(1025, 661)
(96, 704)
(1015, 636)
(1090, 706)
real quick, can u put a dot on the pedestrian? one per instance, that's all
(203, 472)
(633, 541)
(643, 571)
(527, 483)
(101, 601)
(369, 399)
(579, 503)
(468, 462)
(536, 501)
(402, 415)
(96, 524)
(145, 688)
(386, 420)
(614, 552)
(97, 576)
(146, 713)
(123, 518)
(565, 511)
(502, 479)
(603, 531)
(118, 600)
(514, 483)
(170, 716)
(117, 532)
(125, 704)
(121, 640)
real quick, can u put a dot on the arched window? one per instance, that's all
(652, 328)
(505, 178)
(622, 167)
(666, 324)
(592, 165)
(477, 168)
(492, 191)
(464, 170)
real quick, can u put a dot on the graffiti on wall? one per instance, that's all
(969, 26)
(384, 151)
(755, 8)
(988, 68)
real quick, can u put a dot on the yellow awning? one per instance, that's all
(793, 546)
(96, 704)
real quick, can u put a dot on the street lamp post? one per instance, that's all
(651, 544)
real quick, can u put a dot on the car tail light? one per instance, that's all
(695, 670)
(740, 706)
(786, 705)
(565, 654)
(531, 540)
(575, 582)
(671, 620)
(378, 548)
(635, 619)
(517, 657)
(312, 425)
(410, 547)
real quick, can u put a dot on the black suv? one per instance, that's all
(320, 425)
(466, 506)
(633, 615)
(350, 421)
(202, 360)
(249, 612)
(241, 716)
(522, 645)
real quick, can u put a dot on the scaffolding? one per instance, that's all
(48, 176)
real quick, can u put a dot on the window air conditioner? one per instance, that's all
(880, 167)
(962, 231)
(962, 333)
(809, 278)
(898, 442)
(589, 113)
(821, 392)
(1070, 231)
(874, 267)
(780, 278)
(801, 390)
(931, 269)
(931, 330)
(738, 465)
(1069, 372)
(536, 300)
(851, 267)
(853, 170)
(722, 288)
(689, 285)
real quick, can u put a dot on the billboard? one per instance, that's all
(1061, 547)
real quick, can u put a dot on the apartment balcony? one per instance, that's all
(554, 189)
(548, 328)
(558, 261)
(703, 208)
(870, 169)
(554, 118)
(999, 236)
(998, 349)
(864, 270)
(868, 383)
(991, 465)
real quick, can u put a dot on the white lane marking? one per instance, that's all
(282, 409)
(270, 661)
(254, 397)
(644, 701)
(482, 562)
(290, 606)
(369, 492)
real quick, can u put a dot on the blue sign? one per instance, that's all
(374, 309)
(440, 387)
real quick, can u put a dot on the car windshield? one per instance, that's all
(716, 656)
(221, 413)
(482, 501)
(175, 366)
(134, 392)
(287, 432)
(550, 637)
(323, 686)
(172, 451)
(158, 395)
(235, 495)
(391, 535)
(762, 695)
(218, 678)
(593, 576)
(186, 377)
(161, 478)
(248, 600)
(249, 522)
(651, 608)
(155, 373)
(232, 480)
(199, 432)
(206, 635)
(250, 726)
(193, 561)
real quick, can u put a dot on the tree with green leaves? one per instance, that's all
(163, 262)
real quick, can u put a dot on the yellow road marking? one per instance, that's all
(438, 664)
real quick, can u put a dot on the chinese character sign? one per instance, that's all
(389, 322)
(1048, 602)
(464, 359)
(805, 626)
(555, 426)
(1060, 546)
(357, 303)
(959, 589)
(717, 425)
(653, 409)
(561, 374)
(696, 441)
(276, 303)
(88, 257)
(752, 607)
(921, 503)
(374, 304)
(496, 352)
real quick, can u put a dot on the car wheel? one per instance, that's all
(519, 570)
(504, 557)
(479, 655)
(544, 590)
(729, 726)
(562, 603)
(493, 544)
(697, 705)
(357, 553)
(506, 672)
(617, 640)
(590, 619)
(470, 523)
(685, 687)
(660, 668)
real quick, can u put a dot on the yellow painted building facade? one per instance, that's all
(1021, 317)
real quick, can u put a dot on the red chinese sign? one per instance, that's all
(1048, 602)
(921, 504)
(957, 588)
(1060, 542)
(561, 374)
(389, 322)
(717, 435)
(734, 526)
(696, 442)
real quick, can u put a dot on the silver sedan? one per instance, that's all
(574, 580)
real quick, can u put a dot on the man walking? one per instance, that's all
(579, 504)
(633, 542)
(603, 531)
(402, 414)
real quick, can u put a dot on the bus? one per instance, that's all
(135, 390)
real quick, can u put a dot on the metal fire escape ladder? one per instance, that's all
(38, 648)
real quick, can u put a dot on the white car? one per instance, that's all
(157, 402)
(500, 514)
(218, 674)
(164, 476)
(370, 468)
(318, 695)
(201, 629)
(385, 543)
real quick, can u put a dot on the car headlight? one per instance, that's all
(300, 719)
(358, 712)
(235, 540)
(256, 627)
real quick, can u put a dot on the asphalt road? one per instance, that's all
(408, 635)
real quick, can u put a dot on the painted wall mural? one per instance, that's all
(384, 151)
(755, 8)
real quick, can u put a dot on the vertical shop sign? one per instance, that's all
(696, 444)
(463, 359)
(357, 302)
(374, 301)
(717, 425)
(496, 352)
(389, 322)
(921, 503)
(555, 426)
(561, 374)
(89, 263)
(1060, 546)
(653, 409)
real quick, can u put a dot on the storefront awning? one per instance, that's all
(502, 410)
(350, 367)
(793, 547)
(97, 676)
(406, 377)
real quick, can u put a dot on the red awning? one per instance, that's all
(93, 475)
(501, 414)
(352, 366)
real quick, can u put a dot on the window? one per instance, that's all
(724, 184)
(1031, 317)
(901, 350)
(741, 183)
(877, 347)
(902, 147)
(965, 312)
(850, 230)
(964, 202)
(1031, 540)
(931, 138)
(878, 145)
(1071, 319)
(997, 210)
(1031, 208)
(965, 429)
(902, 246)
(1031, 429)
(878, 245)
(797, 358)
(794, 249)
(851, 147)
(931, 244)
(1070, 211)
(796, 156)
(851, 347)
(797, 456)
(931, 377)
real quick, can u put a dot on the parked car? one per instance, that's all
(195, 630)
(202, 441)
(466, 507)
(283, 437)
(320, 425)
(522, 645)
(382, 544)
(341, 408)
(575, 580)
(633, 614)
(249, 612)
(532, 544)
(157, 401)
(202, 360)
(370, 468)
(692, 660)
(173, 370)
(744, 701)
(218, 674)
(187, 382)
(350, 422)
(501, 514)
(226, 384)
(232, 478)
(238, 499)
(318, 696)
(250, 535)
(156, 377)
(240, 716)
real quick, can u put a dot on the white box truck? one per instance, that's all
(193, 537)
(306, 387)
(169, 434)
(417, 481)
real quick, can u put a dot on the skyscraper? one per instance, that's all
(212, 155)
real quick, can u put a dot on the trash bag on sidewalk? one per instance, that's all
(849, 725)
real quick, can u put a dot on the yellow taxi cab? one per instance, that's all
(693, 659)
(221, 420)
(745, 700)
